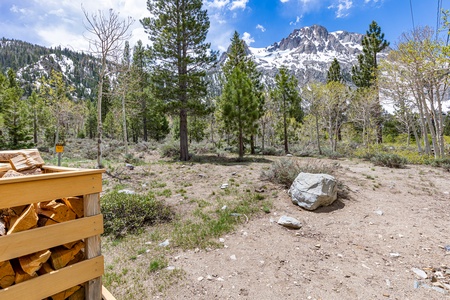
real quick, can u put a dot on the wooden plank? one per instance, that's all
(30, 241)
(6, 155)
(56, 281)
(31, 189)
(106, 295)
(93, 246)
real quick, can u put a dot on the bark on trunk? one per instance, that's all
(184, 152)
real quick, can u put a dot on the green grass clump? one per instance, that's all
(125, 214)
(388, 160)
(442, 163)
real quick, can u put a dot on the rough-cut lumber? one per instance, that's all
(64, 294)
(61, 256)
(28, 219)
(106, 295)
(12, 173)
(78, 295)
(76, 204)
(70, 245)
(45, 268)
(26, 161)
(33, 262)
(7, 274)
(5, 156)
(57, 211)
(93, 245)
(36, 171)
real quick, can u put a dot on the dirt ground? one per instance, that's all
(364, 246)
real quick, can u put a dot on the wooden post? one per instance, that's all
(93, 289)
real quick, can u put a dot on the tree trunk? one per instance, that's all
(286, 145)
(318, 135)
(99, 120)
(241, 143)
(124, 122)
(184, 152)
(252, 144)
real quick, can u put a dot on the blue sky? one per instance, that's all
(260, 22)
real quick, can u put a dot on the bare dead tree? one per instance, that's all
(107, 34)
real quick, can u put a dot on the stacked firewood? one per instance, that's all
(25, 217)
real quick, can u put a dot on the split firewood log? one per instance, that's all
(44, 221)
(45, 269)
(33, 262)
(7, 274)
(78, 295)
(26, 161)
(76, 204)
(12, 173)
(61, 256)
(78, 257)
(18, 210)
(2, 226)
(21, 275)
(56, 211)
(5, 156)
(27, 220)
(65, 294)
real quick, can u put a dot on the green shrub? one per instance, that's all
(170, 149)
(125, 213)
(388, 160)
(442, 163)
(285, 170)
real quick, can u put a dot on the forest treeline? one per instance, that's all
(174, 90)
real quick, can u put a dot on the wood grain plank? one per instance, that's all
(56, 281)
(33, 240)
(31, 189)
(93, 245)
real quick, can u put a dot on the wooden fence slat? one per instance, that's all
(18, 191)
(49, 284)
(33, 240)
(106, 295)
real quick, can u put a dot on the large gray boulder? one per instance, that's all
(311, 191)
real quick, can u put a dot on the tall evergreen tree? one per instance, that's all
(365, 74)
(334, 72)
(288, 98)
(239, 106)
(178, 30)
(237, 57)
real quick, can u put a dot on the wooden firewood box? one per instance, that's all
(56, 183)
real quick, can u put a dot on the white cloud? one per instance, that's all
(260, 27)
(238, 4)
(342, 8)
(247, 38)
(217, 3)
(297, 20)
(284, 1)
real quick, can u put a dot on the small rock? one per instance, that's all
(447, 248)
(200, 278)
(289, 222)
(164, 244)
(224, 186)
(129, 166)
(222, 240)
(317, 246)
(289, 155)
(233, 257)
(420, 273)
(394, 254)
(147, 251)
(148, 243)
(209, 277)
(220, 279)
(201, 175)
(378, 212)
(127, 192)
(170, 268)
(234, 173)
(224, 207)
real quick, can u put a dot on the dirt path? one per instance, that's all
(362, 247)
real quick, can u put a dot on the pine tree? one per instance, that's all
(239, 106)
(288, 98)
(178, 29)
(237, 57)
(366, 73)
(334, 72)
